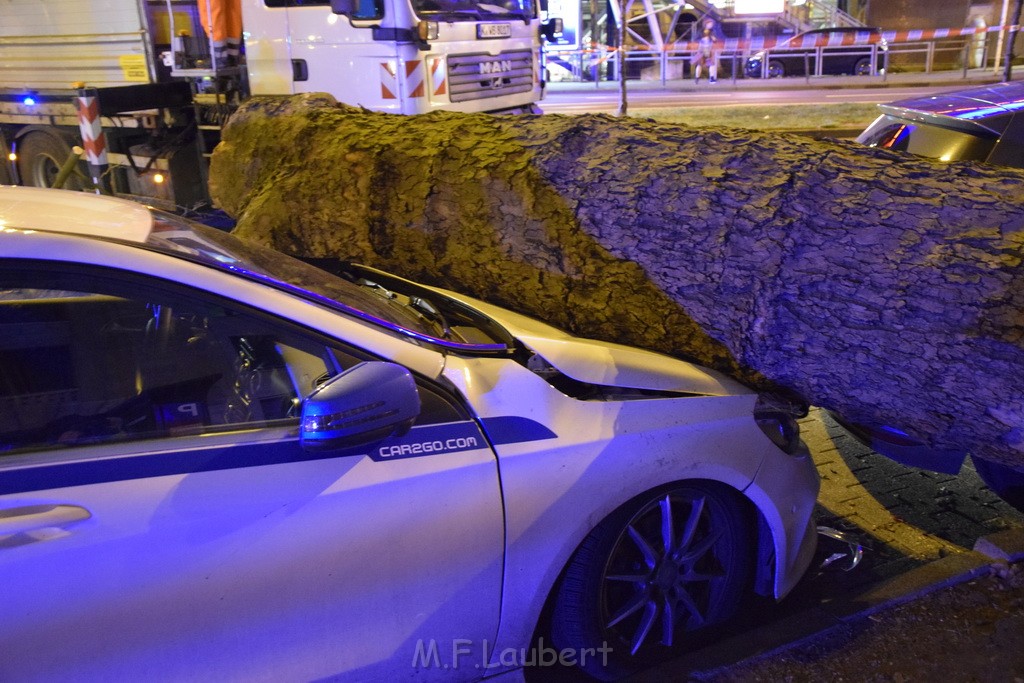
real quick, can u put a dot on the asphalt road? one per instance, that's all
(604, 101)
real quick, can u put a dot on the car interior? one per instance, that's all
(80, 368)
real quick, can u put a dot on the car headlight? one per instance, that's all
(777, 417)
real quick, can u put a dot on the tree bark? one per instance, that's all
(882, 286)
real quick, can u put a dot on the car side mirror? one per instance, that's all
(365, 404)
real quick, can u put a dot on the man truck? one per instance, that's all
(143, 87)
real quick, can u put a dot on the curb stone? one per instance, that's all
(1004, 546)
(797, 629)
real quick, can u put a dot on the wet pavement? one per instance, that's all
(920, 531)
(905, 515)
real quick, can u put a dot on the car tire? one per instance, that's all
(6, 177)
(862, 67)
(40, 157)
(1005, 481)
(776, 69)
(616, 588)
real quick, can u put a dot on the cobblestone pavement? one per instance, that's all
(918, 529)
(904, 516)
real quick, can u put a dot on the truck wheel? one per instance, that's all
(40, 156)
(6, 178)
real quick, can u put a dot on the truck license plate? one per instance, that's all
(493, 30)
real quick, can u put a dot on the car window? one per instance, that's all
(89, 358)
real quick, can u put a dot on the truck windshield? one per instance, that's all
(474, 9)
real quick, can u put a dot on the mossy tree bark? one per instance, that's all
(885, 287)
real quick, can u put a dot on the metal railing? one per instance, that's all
(675, 60)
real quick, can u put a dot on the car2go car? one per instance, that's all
(218, 461)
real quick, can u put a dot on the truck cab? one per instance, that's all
(399, 56)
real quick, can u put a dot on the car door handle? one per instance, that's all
(18, 520)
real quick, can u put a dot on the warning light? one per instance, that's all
(158, 178)
(29, 100)
(12, 157)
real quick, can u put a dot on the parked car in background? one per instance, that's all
(982, 123)
(218, 462)
(855, 50)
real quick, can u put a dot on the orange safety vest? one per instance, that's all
(222, 20)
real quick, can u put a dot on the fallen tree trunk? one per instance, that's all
(885, 287)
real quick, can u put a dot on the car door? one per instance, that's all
(835, 58)
(159, 519)
(843, 51)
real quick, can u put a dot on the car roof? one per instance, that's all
(79, 213)
(977, 109)
(871, 34)
(25, 210)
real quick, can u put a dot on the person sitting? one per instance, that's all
(706, 54)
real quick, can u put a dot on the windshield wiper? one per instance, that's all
(420, 306)
(430, 311)
(398, 290)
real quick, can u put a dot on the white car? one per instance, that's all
(219, 462)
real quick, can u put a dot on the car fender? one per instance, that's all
(574, 462)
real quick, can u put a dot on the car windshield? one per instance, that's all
(197, 242)
(453, 10)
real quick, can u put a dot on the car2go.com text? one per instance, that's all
(463, 653)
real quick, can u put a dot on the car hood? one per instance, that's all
(604, 363)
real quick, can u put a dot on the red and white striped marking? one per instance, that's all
(439, 76)
(414, 84)
(388, 81)
(412, 74)
(94, 141)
